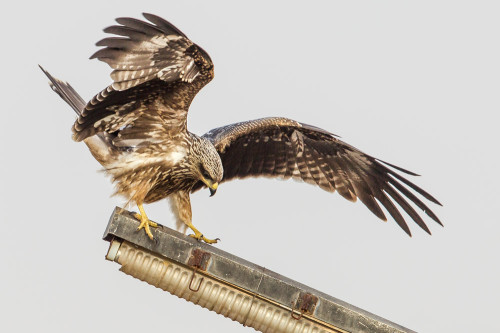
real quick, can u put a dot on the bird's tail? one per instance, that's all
(99, 145)
(66, 92)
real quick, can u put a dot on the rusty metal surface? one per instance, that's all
(306, 303)
(300, 299)
(199, 259)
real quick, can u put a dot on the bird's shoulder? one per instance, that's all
(263, 128)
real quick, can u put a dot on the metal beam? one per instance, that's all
(229, 285)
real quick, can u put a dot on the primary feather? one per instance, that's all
(285, 148)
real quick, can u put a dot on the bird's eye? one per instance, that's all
(206, 175)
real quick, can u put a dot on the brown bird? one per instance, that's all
(136, 128)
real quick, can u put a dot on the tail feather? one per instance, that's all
(100, 145)
(66, 92)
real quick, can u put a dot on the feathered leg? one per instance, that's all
(181, 207)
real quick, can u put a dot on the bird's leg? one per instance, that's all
(199, 236)
(181, 207)
(145, 221)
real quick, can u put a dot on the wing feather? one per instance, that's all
(157, 71)
(323, 174)
(415, 200)
(410, 184)
(407, 208)
(361, 184)
(393, 210)
(311, 162)
(291, 163)
(165, 26)
(341, 178)
(281, 147)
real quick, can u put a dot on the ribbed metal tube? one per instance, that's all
(200, 288)
(231, 286)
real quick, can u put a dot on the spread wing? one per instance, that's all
(157, 71)
(280, 147)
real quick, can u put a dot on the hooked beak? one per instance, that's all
(213, 189)
(211, 186)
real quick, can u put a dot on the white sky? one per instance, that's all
(415, 84)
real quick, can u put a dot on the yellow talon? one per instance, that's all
(151, 223)
(199, 236)
(145, 221)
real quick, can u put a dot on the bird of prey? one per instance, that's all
(136, 129)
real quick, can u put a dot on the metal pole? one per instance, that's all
(229, 285)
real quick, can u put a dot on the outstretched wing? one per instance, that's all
(157, 71)
(281, 147)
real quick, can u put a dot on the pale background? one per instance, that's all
(415, 84)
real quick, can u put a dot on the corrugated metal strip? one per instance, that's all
(199, 288)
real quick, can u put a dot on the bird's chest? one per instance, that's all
(168, 170)
(147, 166)
(170, 181)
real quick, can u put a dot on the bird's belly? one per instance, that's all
(146, 177)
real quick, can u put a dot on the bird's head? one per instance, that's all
(209, 166)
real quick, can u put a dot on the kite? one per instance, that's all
(136, 128)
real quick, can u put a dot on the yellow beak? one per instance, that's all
(212, 186)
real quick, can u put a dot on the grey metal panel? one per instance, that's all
(248, 276)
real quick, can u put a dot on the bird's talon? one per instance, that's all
(151, 223)
(145, 222)
(200, 237)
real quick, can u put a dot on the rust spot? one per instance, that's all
(199, 259)
(306, 303)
